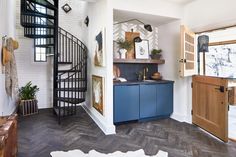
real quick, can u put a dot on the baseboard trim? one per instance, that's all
(181, 118)
(107, 129)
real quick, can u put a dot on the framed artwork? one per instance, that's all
(97, 93)
(99, 56)
(142, 49)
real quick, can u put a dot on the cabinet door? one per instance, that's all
(126, 103)
(148, 99)
(164, 99)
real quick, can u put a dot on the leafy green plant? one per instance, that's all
(125, 44)
(155, 51)
(28, 91)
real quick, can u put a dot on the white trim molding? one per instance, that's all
(107, 129)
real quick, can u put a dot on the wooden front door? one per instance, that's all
(210, 105)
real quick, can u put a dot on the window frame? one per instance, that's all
(226, 42)
(40, 31)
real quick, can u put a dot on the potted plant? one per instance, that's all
(124, 46)
(28, 101)
(156, 53)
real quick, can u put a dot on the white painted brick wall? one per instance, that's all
(41, 73)
(73, 21)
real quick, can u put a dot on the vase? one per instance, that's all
(123, 53)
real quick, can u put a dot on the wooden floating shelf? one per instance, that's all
(139, 61)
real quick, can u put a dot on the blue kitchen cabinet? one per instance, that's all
(148, 101)
(126, 103)
(164, 100)
(156, 100)
(143, 101)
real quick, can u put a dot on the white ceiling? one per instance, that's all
(120, 15)
(181, 1)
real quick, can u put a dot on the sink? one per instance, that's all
(149, 80)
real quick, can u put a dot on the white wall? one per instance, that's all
(41, 73)
(153, 7)
(101, 16)
(169, 42)
(7, 27)
(202, 15)
(73, 21)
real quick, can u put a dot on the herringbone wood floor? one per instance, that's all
(40, 134)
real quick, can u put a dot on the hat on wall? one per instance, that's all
(15, 44)
(6, 55)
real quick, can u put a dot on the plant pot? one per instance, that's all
(123, 53)
(155, 56)
(28, 107)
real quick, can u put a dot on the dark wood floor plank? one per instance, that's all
(40, 134)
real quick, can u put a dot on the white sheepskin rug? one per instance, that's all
(93, 153)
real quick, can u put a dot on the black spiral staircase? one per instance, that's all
(40, 21)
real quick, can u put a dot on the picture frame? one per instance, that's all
(98, 93)
(99, 54)
(142, 49)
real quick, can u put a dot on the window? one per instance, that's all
(221, 61)
(221, 58)
(40, 54)
(40, 51)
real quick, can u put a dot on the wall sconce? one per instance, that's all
(147, 27)
(66, 8)
(203, 43)
(86, 21)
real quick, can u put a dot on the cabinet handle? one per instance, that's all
(183, 61)
(221, 89)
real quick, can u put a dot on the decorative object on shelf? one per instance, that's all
(123, 53)
(66, 8)
(156, 54)
(156, 76)
(28, 102)
(124, 46)
(147, 27)
(203, 42)
(116, 72)
(130, 36)
(97, 93)
(142, 49)
(86, 21)
(99, 57)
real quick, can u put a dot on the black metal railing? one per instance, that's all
(70, 85)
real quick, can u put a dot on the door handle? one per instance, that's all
(221, 89)
(183, 61)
